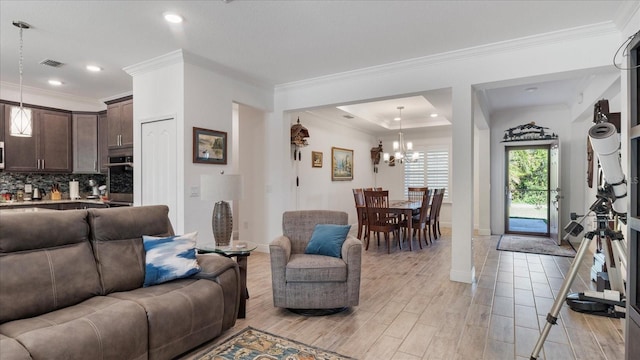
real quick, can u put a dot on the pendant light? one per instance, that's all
(21, 124)
(403, 151)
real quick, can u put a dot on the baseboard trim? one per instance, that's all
(463, 276)
(484, 232)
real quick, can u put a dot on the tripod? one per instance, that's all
(602, 210)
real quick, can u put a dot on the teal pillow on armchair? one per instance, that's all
(327, 239)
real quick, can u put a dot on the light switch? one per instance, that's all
(195, 191)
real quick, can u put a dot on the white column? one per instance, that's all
(484, 182)
(462, 268)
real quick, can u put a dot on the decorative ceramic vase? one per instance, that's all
(222, 223)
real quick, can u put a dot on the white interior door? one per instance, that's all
(555, 193)
(159, 176)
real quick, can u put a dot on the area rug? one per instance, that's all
(252, 344)
(534, 245)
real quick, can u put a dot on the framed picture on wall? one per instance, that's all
(316, 159)
(209, 146)
(341, 164)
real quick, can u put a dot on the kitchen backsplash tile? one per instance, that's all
(11, 182)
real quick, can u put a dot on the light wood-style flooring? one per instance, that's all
(409, 309)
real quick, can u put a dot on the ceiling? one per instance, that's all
(277, 42)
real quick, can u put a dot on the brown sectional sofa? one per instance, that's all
(71, 288)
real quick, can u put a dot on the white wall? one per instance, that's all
(250, 216)
(317, 190)
(176, 85)
(159, 94)
(209, 99)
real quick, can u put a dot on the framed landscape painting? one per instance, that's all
(341, 164)
(209, 146)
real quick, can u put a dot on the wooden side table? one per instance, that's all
(240, 250)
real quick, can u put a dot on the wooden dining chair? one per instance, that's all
(420, 221)
(437, 220)
(436, 202)
(380, 219)
(361, 211)
(415, 194)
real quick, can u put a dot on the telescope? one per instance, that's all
(605, 143)
(610, 200)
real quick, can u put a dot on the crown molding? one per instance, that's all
(225, 71)
(117, 96)
(54, 95)
(581, 32)
(162, 61)
(625, 13)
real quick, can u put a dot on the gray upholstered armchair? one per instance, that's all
(305, 281)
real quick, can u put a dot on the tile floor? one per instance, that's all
(409, 309)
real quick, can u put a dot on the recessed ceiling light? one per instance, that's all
(397, 118)
(433, 115)
(531, 89)
(55, 82)
(94, 68)
(173, 18)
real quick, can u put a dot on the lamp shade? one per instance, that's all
(221, 187)
(21, 124)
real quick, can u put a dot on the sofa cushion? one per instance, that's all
(46, 263)
(99, 328)
(315, 268)
(182, 314)
(116, 237)
(12, 349)
(327, 239)
(169, 258)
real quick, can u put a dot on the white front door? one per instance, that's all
(159, 174)
(555, 193)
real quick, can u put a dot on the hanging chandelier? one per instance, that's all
(403, 151)
(21, 124)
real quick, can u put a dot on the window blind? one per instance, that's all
(414, 173)
(437, 170)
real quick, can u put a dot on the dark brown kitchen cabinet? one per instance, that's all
(85, 144)
(48, 150)
(2, 122)
(103, 141)
(120, 119)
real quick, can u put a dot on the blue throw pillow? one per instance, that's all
(327, 239)
(169, 258)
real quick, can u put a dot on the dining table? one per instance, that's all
(405, 208)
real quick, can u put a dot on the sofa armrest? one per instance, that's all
(352, 247)
(279, 251)
(281, 248)
(352, 255)
(225, 272)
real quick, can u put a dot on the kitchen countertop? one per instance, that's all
(24, 209)
(32, 203)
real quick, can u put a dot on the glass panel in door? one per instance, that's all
(527, 192)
